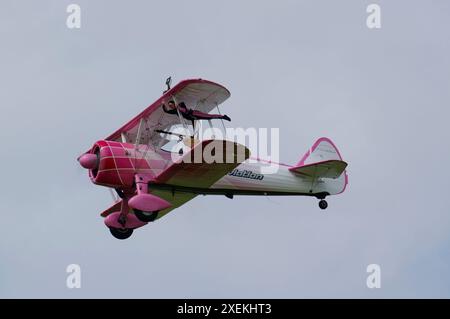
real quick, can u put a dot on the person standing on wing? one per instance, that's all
(191, 115)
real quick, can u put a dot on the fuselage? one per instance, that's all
(119, 162)
(258, 178)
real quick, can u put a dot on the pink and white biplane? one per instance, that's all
(151, 181)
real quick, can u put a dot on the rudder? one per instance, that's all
(322, 150)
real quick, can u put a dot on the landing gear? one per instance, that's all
(121, 233)
(323, 204)
(145, 216)
(144, 201)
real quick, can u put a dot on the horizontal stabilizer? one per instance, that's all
(326, 169)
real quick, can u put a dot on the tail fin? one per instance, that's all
(322, 150)
(322, 160)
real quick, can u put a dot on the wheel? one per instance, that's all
(323, 204)
(145, 216)
(121, 233)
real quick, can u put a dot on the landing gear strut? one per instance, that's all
(143, 201)
(118, 222)
(323, 204)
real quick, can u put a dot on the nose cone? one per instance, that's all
(88, 161)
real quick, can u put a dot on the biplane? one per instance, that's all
(151, 180)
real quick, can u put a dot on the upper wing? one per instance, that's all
(197, 94)
(327, 169)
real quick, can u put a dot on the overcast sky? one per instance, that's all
(310, 68)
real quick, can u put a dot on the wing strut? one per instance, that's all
(179, 114)
(123, 136)
(139, 132)
(221, 120)
(212, 129)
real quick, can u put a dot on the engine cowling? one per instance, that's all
(109, 164)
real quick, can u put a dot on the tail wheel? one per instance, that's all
(323, 204)
(145, 216)
(121, 233)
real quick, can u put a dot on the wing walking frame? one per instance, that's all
(202, 94)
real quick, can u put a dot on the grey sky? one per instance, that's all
(310, 68)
